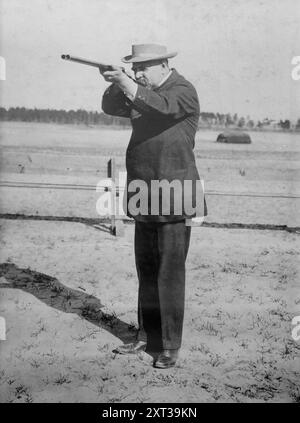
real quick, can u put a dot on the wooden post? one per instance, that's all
(117, 225)
(111, 173)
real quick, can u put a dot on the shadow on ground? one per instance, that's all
(53, 293)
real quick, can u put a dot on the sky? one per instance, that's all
(237, 53)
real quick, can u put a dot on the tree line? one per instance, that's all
(80, 116)
(91, 118)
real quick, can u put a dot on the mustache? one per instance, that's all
(144, 82)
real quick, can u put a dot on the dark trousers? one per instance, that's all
(160, 253)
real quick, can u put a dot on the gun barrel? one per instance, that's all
(84, 61)
(98, 65)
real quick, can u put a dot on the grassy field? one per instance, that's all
(68, 291)
(75, 154)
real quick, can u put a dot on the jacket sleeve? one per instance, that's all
(179, 101)
(114, 102)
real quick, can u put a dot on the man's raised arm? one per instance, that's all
(117, 98)
(114, 102)
(181, 100)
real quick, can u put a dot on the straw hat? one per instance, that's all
(146, 52)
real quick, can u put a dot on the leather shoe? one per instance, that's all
(166, 359)
(132, 348)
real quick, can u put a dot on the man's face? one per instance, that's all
(149, 74)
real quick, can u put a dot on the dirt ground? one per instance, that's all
(68, 291)
(69, 294)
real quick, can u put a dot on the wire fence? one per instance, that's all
(99, 187)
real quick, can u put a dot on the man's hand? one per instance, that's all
(115, 76)
(119, 77)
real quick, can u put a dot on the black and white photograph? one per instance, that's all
(149, 203)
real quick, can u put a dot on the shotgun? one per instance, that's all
(101, 66)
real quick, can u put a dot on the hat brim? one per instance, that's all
(132, 59)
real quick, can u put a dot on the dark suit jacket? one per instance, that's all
(164, 122)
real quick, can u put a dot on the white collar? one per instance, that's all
(164, 79)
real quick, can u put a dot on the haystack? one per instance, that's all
(236, 137)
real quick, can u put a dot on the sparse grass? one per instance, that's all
(248, 266)
(21, 389)
(68, 296)
(93, 282)
(268, 272)
(109, 320)
(244, 344)
(105, 377)
(89, 311)
(237, 268)
(28, 398)
(235, 333)
(201, 347)
(215, 360)
(2, 376)
(215, 393)
(27, 346)
(46, 380)
(41, 329)
(295, 394)
(100, 388)
(281, 313)
(85, 377)
(103, 348)
(166, 378)
(287, 349)
(229, 268)
(292, 252)
(21, 392)
(51, 357)
(208, 327)
(35, 364)
(89, 335)
(80, 338)
(56, 288)
(200, 266)
(61, 380)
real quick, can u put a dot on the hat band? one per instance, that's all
(148, 54)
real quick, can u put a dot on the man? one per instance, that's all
(164, 111)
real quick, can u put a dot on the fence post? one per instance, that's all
(117, 225)
(111, 173)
